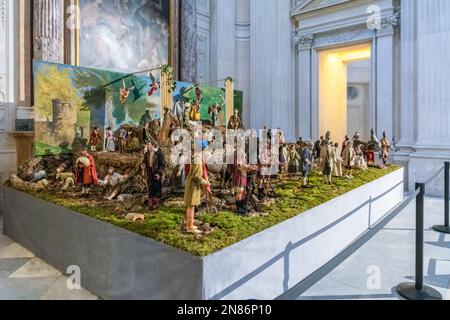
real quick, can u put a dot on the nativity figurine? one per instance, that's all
(235, 122)
(325, 161)
(86, 173)
(123, 136)
(385, 148)
(95, 138)
(195, 185)
(307, 163)
(195, 114)
(293, 160)
(66, 179)
(337, 160)
(153, 168)
(214, 112)
(110, 140)
(349, 158)
(111, 180)
(178, 111)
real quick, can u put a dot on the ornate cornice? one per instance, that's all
(343, 36)
(305, 6)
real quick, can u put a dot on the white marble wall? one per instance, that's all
(272, 66)
(425, 89)
(7, 93)
(433, 67)
(222, 50)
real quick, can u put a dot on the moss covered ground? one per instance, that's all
(166, 224)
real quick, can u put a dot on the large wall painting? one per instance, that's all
(124, 35)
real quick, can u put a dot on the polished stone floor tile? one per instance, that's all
(59, 291)
(8, 266)
(24, 289)
(391, 253)
(15, 250)
(5, 241)
(36, 268)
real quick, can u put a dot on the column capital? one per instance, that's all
(303, 42)
(389, 25)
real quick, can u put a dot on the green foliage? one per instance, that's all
(166, 225)
(52, 83)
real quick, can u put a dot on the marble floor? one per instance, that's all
(26, 277)
(374, 271)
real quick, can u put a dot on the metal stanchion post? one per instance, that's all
(446, 227)
(417, 290)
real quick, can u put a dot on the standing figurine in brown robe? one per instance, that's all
(385, 148)
(235, 122)
(123, 135)
(344, 144)
(153, 166)
(349, 158)
(95, 137)
(326, 161)
(195, 185)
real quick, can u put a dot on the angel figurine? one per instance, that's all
(154, 87)
(124, 93)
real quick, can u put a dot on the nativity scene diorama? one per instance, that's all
(105, 143)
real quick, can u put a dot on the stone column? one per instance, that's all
(188, 58)
(7, 91)
(271, 66)
(203, 13)
(48, 30)
(303, 75)
(222, 48)
(408, 75)
(426, 43)
(385, 75)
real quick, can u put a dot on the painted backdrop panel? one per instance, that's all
(70, 101)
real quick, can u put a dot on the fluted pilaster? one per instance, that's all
(48, 33)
